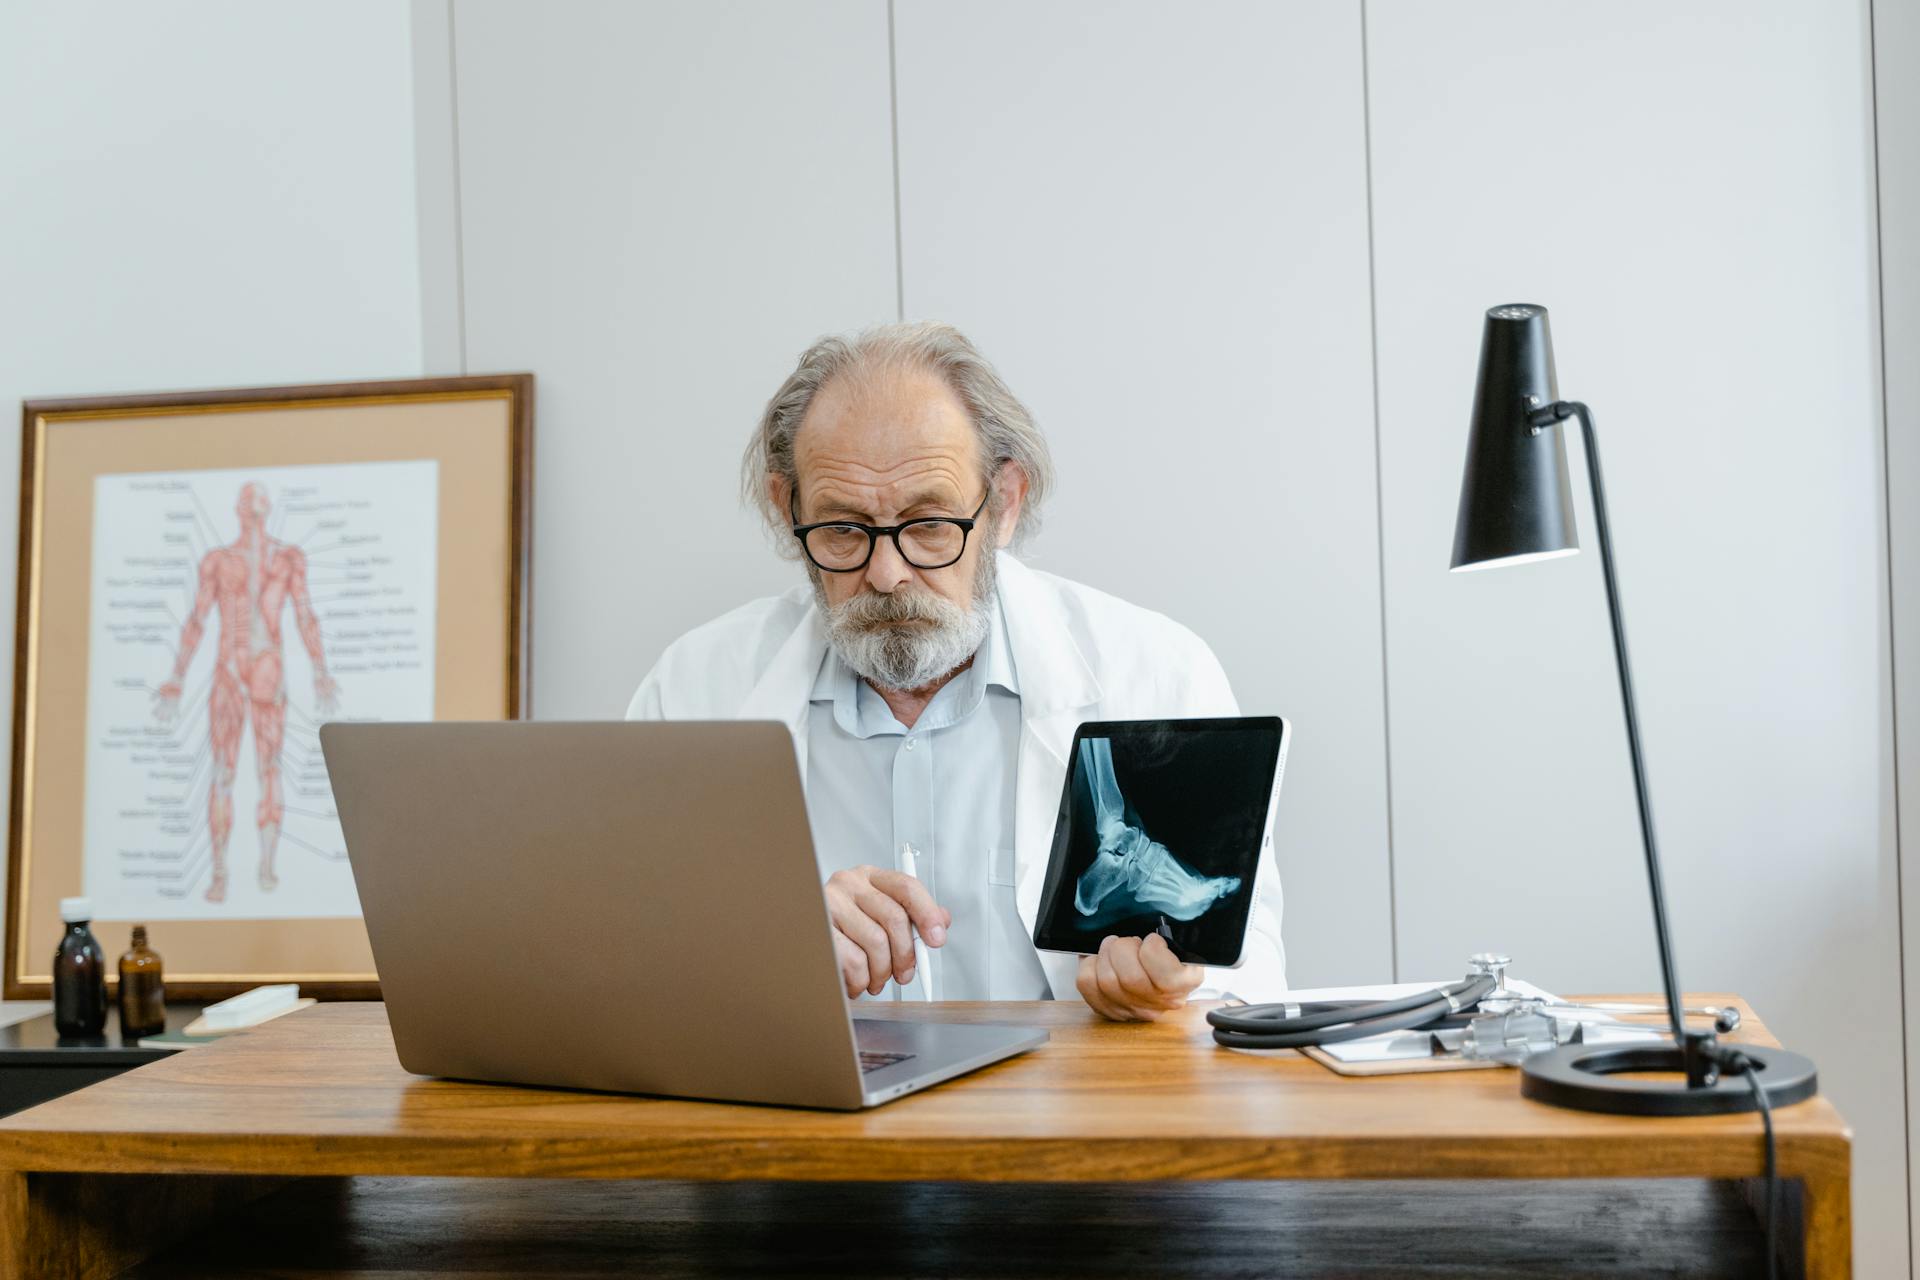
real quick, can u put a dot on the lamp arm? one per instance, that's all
(1539, 419)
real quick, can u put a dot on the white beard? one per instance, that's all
(910, 638)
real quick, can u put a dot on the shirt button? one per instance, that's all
(910, 742)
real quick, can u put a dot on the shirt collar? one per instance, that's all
(994, 659)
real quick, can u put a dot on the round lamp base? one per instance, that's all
(1594, 1077)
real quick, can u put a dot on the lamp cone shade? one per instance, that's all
(1515, 503)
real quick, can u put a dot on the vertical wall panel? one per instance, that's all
(1687, 188)
(1896, 45)
(662, 204)
(437, 187)
(184, 204)
(1153, 218)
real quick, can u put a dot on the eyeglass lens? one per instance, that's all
(929, 544)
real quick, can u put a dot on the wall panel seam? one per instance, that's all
(893, 118)
(1893, 664)
(1379, 506)
(459, 199)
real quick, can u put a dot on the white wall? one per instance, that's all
(660, 207)
(1175, 281)
(1701, 229)
(210, 197)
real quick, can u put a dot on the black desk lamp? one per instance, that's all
(1515, 506)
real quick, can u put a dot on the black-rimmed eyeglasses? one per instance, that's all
(842, 546)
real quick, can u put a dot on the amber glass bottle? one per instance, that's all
(79, 975)
(143, 996)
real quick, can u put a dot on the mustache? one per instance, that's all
(873, 611)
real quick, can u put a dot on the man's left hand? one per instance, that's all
(1132, 980)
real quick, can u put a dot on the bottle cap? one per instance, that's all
(76, 910)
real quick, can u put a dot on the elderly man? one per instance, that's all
(933, 683)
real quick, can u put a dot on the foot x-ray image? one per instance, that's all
(1132, 873)
(1160, 830)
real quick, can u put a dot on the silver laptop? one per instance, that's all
(624, 906)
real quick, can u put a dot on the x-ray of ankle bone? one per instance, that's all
(1161, 830)
(1132, 873)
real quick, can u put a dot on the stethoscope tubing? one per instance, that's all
(1290, 1026)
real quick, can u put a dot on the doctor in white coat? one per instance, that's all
(932, 682)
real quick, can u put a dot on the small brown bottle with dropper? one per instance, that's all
(143, 996)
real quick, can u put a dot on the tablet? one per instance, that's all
(1161, 827)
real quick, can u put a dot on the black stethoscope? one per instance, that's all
(1288, 1025)
(1284, 1025)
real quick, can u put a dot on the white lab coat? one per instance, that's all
(1079, 654)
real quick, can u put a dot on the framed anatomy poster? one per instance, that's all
(206, 578)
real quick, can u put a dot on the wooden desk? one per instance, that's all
(321, 1093)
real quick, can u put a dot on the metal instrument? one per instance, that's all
(1504, 999)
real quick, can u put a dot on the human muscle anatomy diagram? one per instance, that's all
(233, 605)
(1132, 873)
(247, 586)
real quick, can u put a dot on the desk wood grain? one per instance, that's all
(321, 1093)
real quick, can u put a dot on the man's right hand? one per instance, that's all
(872, 909)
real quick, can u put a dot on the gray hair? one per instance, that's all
(1007, 432)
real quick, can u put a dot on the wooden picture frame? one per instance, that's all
(220, 555)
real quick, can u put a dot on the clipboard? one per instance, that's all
(1397, 1066)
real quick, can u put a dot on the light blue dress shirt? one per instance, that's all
(945, 788)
